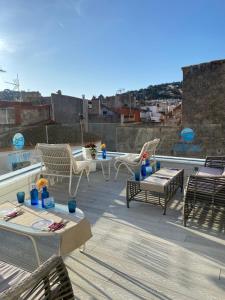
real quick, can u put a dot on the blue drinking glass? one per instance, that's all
(137, 175)
(149, 170)
(20, 197)
(158, 165)
(153, 169)
(72, 204)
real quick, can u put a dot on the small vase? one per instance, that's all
(147, 162)
(104, 153)
(143, 171)
(44, 195)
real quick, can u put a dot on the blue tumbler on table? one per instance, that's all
(20, 197)
(72, 205)
(137, 175)
(158, 165)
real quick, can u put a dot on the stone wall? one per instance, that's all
(7, 115)
(203, 107)
(106, 133)
(204, 93)
(70, 134)
(23, 113)
(125, 138)
(131, 139)
(32, 116)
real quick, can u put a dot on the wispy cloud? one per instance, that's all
(6, 47)
(61, 25)
(45, 53)
(77, 6)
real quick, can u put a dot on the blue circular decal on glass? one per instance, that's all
(187, 135)
(18, 141)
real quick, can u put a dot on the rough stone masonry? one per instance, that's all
(204, 105)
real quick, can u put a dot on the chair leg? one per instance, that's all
(117, 168)
(78, 183)
(87, 175)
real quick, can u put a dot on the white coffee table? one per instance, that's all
(104, 162)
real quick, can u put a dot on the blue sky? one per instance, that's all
(98, 46)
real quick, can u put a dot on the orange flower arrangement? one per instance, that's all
(103, 146)
(41, 183)
(145, 155)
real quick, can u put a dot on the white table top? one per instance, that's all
(59, 210)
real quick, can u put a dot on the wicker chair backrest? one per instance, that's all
(57, 158)
(149, 147)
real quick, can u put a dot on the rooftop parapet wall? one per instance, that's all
(204, 93)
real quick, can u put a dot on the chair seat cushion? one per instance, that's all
(10, 275)
(129, 158)
(206, 171)
(154, 184)
(83, 164)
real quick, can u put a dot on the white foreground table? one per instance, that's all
(74, 235)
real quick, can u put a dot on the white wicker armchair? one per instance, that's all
(58, 161)
(133, 161)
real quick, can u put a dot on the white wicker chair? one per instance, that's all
(57, 161)
(133, 161)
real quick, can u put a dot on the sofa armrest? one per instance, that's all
(206, 188)
(215, 161)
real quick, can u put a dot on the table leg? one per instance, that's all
(82, 248)
(182, 181)
(106, 177)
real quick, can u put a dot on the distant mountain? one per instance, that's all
(171, 90)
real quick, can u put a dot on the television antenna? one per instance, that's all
(120, 91)
(16, 86)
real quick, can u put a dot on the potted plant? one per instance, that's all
(89, 153)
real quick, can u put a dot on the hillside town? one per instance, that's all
(29, 108)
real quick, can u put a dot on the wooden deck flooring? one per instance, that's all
(138, 253)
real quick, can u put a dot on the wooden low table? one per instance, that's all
(158, 188)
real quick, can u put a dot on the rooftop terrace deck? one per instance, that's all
(138, 253)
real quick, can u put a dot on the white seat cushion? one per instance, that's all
(168, 172)
(206, 171)
(154, 184)
(129, 158)
(10, 275)
(83, 164)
